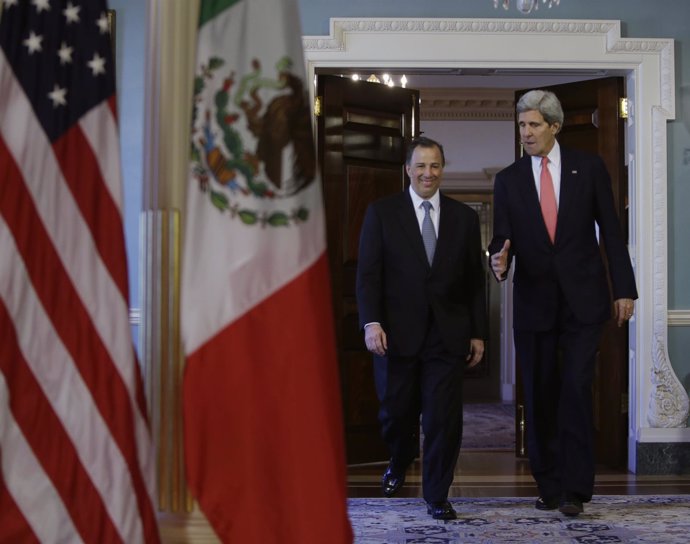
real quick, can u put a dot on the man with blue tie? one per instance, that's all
(547, 207)
(420, 296)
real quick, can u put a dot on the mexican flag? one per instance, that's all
(262, 409)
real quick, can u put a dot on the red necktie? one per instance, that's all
(548, 199)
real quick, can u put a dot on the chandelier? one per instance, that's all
(526, 6)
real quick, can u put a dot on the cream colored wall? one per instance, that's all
(473, 146)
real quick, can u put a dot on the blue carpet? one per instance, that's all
(642, 519)
(488, 426)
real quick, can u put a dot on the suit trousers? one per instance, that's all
(557, 368)
(429, 384)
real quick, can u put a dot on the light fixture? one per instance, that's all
(384, 79)
(526, 6)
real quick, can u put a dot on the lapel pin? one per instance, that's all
(573, 171)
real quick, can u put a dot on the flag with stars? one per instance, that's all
(76, 458)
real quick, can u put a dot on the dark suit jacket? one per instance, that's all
(397, 288)
(573, 262)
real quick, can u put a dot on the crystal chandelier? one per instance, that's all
(526, 6)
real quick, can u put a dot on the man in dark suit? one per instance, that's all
(547, 206)
(421, 305)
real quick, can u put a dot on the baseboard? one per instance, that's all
(663, 458)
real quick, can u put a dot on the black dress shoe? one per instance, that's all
(441, 510)
(546, 504)
(570, 505)
(392, 482)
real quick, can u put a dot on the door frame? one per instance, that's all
(512, 46)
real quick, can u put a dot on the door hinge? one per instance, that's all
(623, 108)
(317, 106)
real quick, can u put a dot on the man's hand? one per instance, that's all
(476, 352)
(499, 262)
(375, 339)
(623, 309)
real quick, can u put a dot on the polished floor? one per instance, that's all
(501, 474)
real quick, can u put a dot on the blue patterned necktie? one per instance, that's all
(428, 232)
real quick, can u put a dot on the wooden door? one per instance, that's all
(592, 123)
(361, 134)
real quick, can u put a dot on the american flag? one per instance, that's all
(76, 458)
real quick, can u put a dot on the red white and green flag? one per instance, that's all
(262, 410)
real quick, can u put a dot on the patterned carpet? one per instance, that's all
(641, 519)
(488, 426)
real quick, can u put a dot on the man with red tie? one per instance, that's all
(547, 206)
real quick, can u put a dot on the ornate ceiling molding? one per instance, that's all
(340, 26)
(468, 104)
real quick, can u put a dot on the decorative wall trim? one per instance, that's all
(480, 182)
(678, 318)
(340, 26)
(664, 435)
(669, 405)
(135, 316)
(475, 104)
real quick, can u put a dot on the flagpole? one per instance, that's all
(169, 72)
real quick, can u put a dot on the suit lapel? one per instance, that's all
(408, 221)
(446, 228)
(530, 198)
(569, 177)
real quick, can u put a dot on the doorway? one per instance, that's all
(507, 47)
(591, 108)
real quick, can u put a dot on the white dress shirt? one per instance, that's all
(434, 212)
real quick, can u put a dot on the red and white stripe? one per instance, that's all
(71, 392)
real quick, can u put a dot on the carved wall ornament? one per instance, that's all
(669, 405)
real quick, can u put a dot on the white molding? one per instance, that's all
(544, 44)
(471, 104)
(480, 182)
(135, 316)
(678, 318)
(665, 435)
(669, 406)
